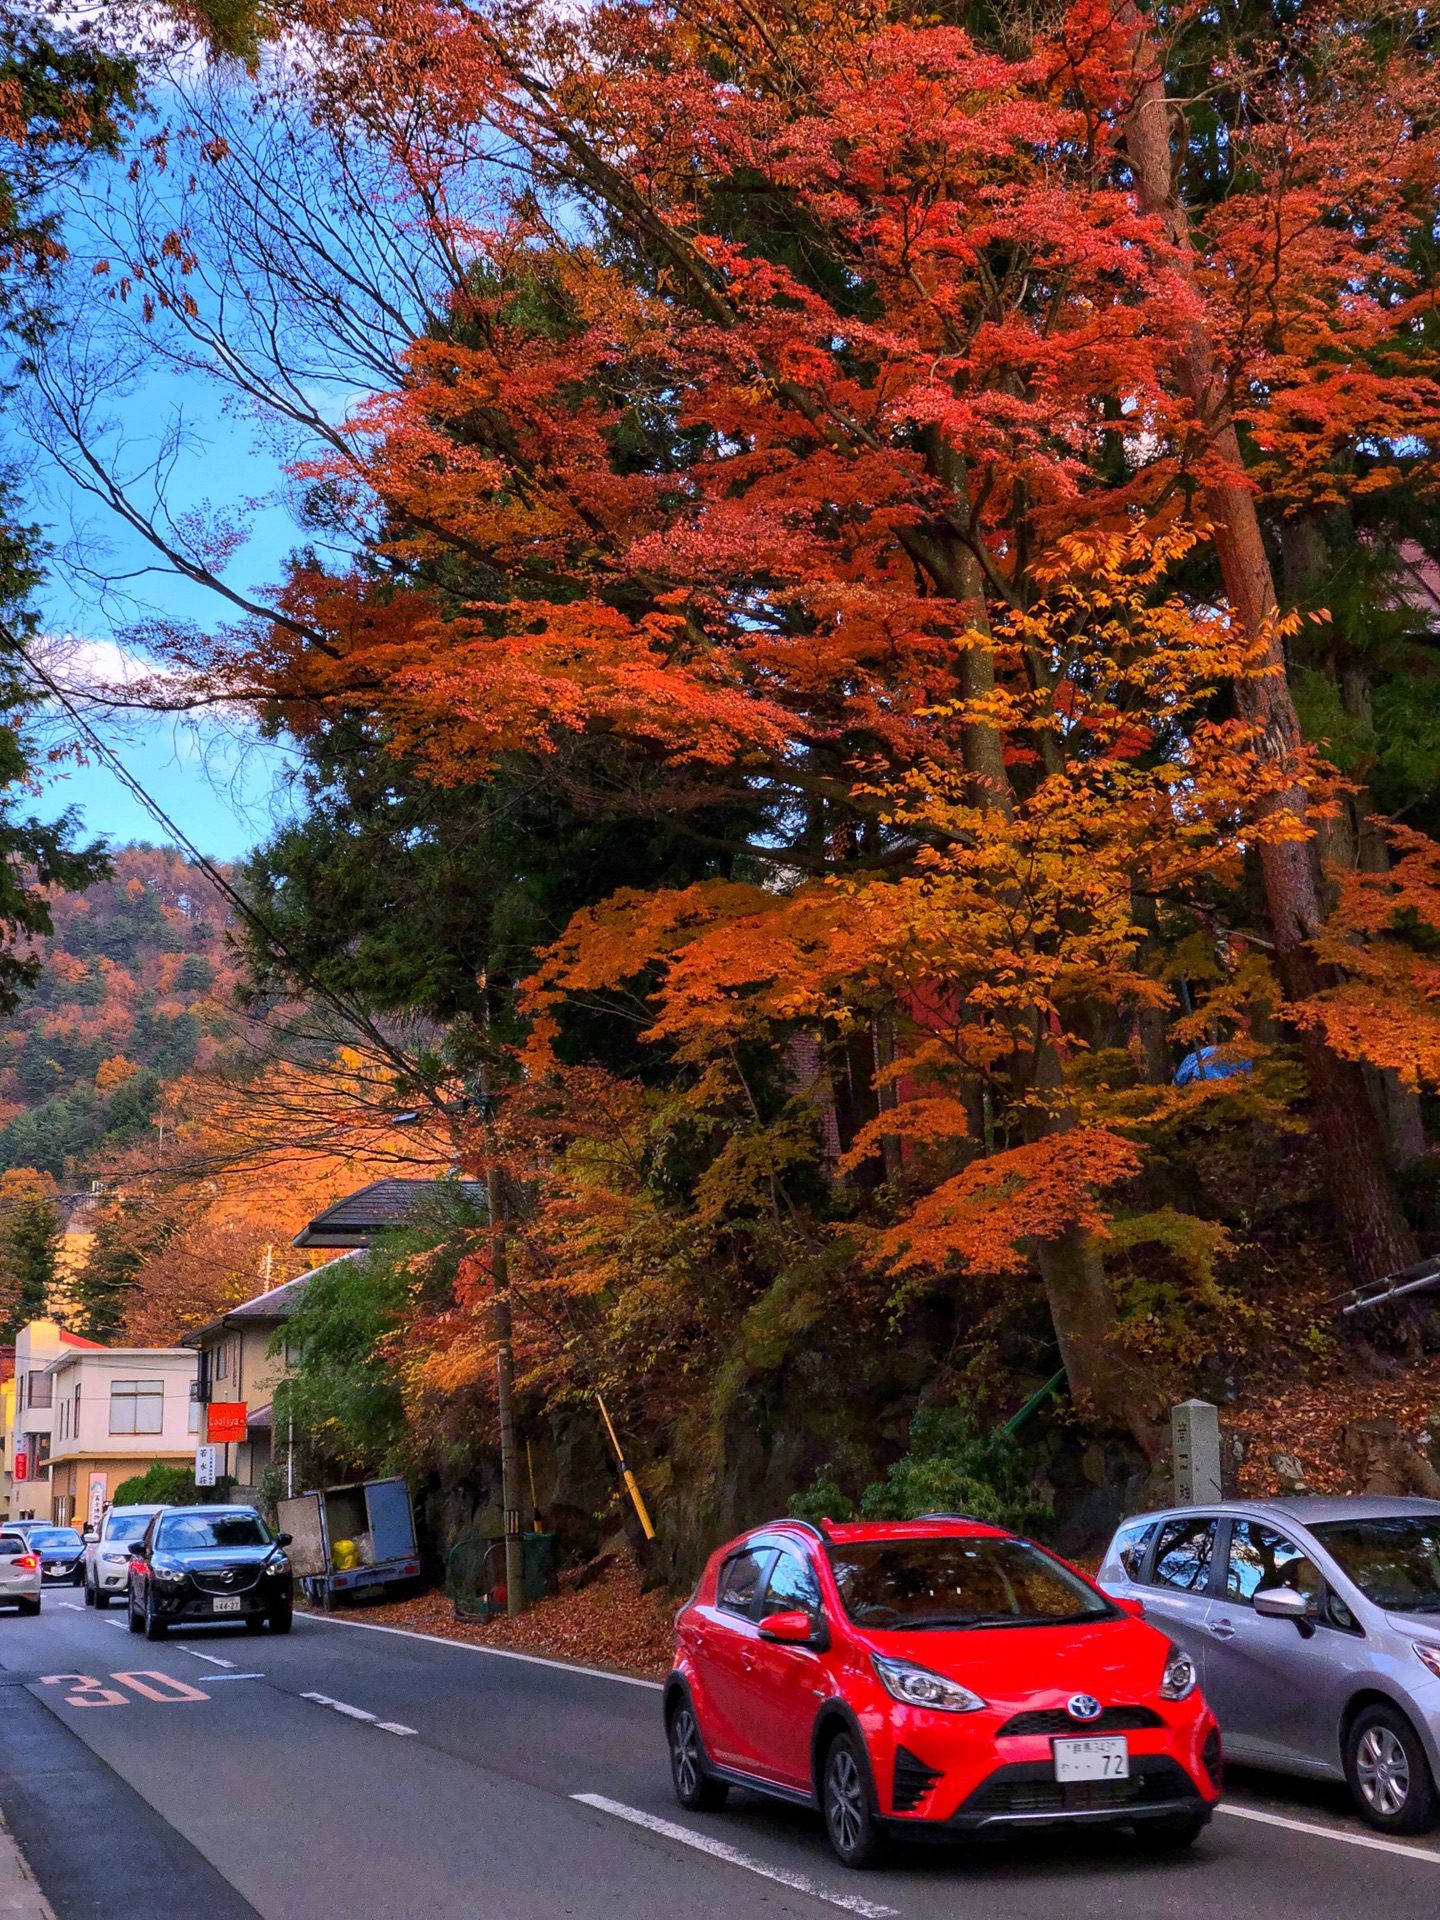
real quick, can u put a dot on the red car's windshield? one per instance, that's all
(964, 1582)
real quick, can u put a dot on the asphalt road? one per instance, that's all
(219, 1777)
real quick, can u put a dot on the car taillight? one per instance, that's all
(29, 1561)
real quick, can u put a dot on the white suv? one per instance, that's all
(107, 1559)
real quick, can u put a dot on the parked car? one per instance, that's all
(107, 1556)
(209, 1563)
(1315, 1626)
(939, 1677)
(20, 1582)
(61, 1552)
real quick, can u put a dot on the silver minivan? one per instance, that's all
(1315, 1625)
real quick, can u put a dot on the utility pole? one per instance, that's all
(502, 1333)
(505, 1399)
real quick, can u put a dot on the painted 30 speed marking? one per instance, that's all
(90, 1692)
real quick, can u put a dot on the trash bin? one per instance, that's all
(475, 1573)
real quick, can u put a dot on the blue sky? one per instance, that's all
(223, 787)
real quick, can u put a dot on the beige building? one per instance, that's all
(84, 1417)
(237, 1367)
(115, 1413)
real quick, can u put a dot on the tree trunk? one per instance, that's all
(1347, 1130)
(1106, 1389)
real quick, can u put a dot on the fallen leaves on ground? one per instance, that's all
(610, 1623)
(1305, 1420)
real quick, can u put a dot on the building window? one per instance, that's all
(41, 1389)
(192, 1418)
(38, 1450)
(222, 1359)
(137, 1406)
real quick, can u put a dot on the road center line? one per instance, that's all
(73, 1605)
(354, 1713)
(213, 1658)
(720, 1850)
(216, 1678)
(1372, 1841)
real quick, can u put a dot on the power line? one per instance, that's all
(217, 879)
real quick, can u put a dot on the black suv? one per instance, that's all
(210, 1563)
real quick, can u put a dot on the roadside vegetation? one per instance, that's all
(862, 665)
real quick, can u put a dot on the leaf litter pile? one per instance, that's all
(608, 1623)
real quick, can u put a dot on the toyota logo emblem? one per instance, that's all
(1083, 1706)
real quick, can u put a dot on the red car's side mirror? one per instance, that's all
(796, 1628)
(1127, 1605)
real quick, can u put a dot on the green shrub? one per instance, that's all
(165, 1486)
(949, 1466)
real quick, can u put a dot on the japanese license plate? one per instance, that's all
(1104, 1756)
(231, 1604)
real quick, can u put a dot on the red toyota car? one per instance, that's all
(935, 1678)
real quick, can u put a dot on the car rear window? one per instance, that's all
(49, 1539)
(11, 1544)
(960, 1582)
(1394, 1560)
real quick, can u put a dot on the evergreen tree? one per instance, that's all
(29, 1242)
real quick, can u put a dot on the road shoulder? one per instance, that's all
(20, 1895)
(94, 1848)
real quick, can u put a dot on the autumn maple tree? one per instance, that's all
(854, 445)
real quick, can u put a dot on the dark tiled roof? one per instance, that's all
(356, 1220)
(265, 1309)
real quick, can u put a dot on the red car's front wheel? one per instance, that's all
(848, 1805)
(695, 1787)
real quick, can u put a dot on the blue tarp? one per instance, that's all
(1205, 1064)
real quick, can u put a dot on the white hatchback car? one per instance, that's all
(19, 1573)
(107, 1559)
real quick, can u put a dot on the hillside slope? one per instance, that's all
(134, 993)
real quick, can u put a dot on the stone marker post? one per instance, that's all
(1195, 1444)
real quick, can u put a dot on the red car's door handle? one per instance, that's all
(747, 1661)
(1222, 1629)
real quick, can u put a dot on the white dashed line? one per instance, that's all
(73, 1605)
(719, 1850)
(216, 1678)
(213, 1658)
(358, 1713)
(1373, 1841)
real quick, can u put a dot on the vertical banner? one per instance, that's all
(206, 1465)
(96, 1505)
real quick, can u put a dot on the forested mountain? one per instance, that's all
(133, 992)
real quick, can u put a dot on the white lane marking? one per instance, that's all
(338, 1706)
(355, 1713)
(719, 1850)
(216, 1678)
(213, 1658)
(495, 1653)
(123, 1625)
(73, 1605)
(1373, 1841)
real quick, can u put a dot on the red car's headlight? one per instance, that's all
(1179, 1679)
(919, 1687)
